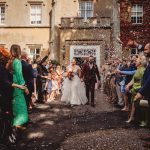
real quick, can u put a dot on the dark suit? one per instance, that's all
(89, 76)
(6, 96)
(28, 75)
(39, 82)
(145, 90)
(6, 90)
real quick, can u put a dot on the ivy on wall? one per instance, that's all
(139, 32)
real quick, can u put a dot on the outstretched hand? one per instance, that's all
(130, 42)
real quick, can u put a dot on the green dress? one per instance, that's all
(137, 81)
(141, 114)
(20, 112)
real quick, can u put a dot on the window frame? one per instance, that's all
(136, 51)
(2, 45)
(2, 5)
(136, 11)
(34, 48)
(86, 10)
(36, 14)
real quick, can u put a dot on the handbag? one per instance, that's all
(144, 103)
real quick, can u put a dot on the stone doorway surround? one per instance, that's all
(98, 44)
(82, 51)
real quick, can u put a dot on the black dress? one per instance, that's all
(6, 90)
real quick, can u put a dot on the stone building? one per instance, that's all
(135, 23)
(67, 28)
(80, 28)
(27, 23)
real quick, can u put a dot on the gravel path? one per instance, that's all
(59, 127)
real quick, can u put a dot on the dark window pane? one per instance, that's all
(37, 51)
(133, 51)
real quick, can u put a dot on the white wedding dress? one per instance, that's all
(73, 91)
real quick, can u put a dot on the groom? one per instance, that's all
(89, 73)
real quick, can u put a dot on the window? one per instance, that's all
(2, 14)
(86, 9)
(2, 45)
(137, 14)
(36, 14)
(34, 52)
(134, 51)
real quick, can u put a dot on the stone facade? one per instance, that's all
(17, 28)
(62, 28)
(69, 29)
(80, 33)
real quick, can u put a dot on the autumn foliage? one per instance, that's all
(138, 32)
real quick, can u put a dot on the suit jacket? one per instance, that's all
(145, 90)
(28, 74)
(41, 69)
(6, 80)
(89, 75)
(6, 90)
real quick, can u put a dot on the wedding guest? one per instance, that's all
(136, 82)
(55, 87)
(6, 82)
(144, 91)
(28, 76)
(59, 72)
(20, 112)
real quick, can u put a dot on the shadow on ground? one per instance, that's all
(54, 124)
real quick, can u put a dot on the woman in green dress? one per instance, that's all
(136, 83)
(20, 112)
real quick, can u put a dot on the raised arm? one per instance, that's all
(128, 72)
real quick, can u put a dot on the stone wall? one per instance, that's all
(25, 37)
(18, 12)
(70, 37)
(70, 29)
(17, 28)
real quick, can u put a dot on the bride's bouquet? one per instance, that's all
(70, 74)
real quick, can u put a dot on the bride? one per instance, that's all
(73, 90)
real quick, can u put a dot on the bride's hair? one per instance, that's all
(74, 59)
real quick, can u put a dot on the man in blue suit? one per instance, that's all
(145, 90)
